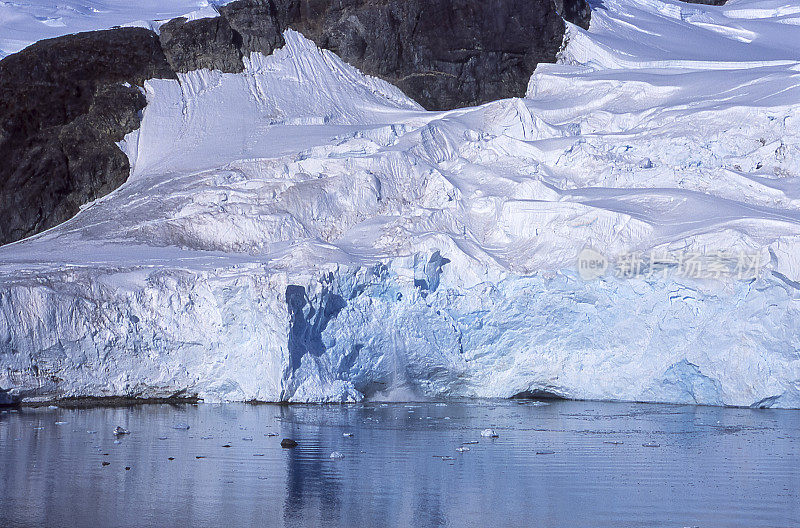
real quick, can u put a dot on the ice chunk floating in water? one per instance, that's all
(302, 232)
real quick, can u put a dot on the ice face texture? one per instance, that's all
(299, 231)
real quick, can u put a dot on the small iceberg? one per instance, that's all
(462, 449)
(347, 435)
(121, 431)
(489, 433)
(181, 426)
(337, 455)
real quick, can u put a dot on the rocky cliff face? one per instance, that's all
(64, 102)
(442, 53)
(63, 105)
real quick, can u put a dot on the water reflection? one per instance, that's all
(566, 463)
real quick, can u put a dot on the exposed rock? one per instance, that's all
(537, 394)
(256, 23)
(288, 443)
(576, 11)
(205, 43)
(63, 106)
(442, 53)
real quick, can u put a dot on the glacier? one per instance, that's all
(302, 232)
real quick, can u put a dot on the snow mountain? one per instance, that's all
(302, 232)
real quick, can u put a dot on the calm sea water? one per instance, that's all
(564, 464)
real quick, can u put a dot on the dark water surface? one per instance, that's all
(553, 465)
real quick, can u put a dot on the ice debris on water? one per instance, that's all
(347, 435)
(337, 455)
(489, 433)
(121, 431)
(181, 426)
(462, 449)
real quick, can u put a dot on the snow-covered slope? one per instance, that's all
(23, 22)
(302, 232)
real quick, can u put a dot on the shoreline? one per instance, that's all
(94, 402)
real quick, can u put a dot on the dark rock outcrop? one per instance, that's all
(206, 43)
(65, 102)
(63, 105)
(257, 24)
(442, 53)
(537, 394)
(576, 11)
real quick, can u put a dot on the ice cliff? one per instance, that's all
(302, 232)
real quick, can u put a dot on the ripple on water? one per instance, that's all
(593, 464)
